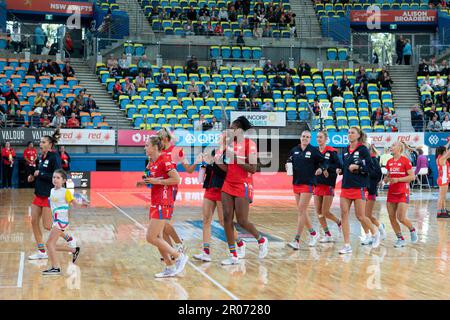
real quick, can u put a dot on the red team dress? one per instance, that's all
(175, 154)
(162, 195)
(238, 182)
(443, 173)
(398, 192)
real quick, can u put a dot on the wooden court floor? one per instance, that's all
(117, 263)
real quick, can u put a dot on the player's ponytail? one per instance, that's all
(54, 138)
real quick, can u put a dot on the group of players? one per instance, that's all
(228, 184)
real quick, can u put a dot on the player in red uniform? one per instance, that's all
(400, 174)
(239, 160)
(442, 156)
(176, 155)
(163, 176)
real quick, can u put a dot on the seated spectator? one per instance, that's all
(33, 69)
(444, 69)
(223, 15)
(216, 125)
(209, 30)
(165, 82)
(124, 66)
(113, 66)
(188, 28)
(300, 90)
(277, 83)
(282, 67)
(254, 105)
(252, 89)
(390, 119)
(145, 66)
(257, 30)
(129, 87)
(361, 75)
(203, 13)
(422, 161)
(240, 90)
(218, 30)
(425, 85)
(335, 90)
(13, 106)
(386, 82)
(377, 117)
(438, 83)
(198, 124)
(62, 108)
(362, 92)
(416, 119)
(265, 92)
(52, 99)
(433, 68)
(59, 120)
(431, 113)
(446, 123)
(434, 125)
(269, 68)
(316, 107)
(9, 93)
(267, 30)
(117, 90)
(443, 113)
(288, 82)
(244, 104)
(207, 91)
(140, 81)
(18, 119)
(80, 99)
(345, 84)
(73, 108)
(192, 66)
(193, 90)
(73, 121)
(191, 14)
(48, 109)
(213, 68)
(372, 76)
(39, 101)
(45, 121)
(68, 71)
(232, 14)
(423, 68)
(267, 106)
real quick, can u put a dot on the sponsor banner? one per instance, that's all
(79, 179)
(51, 6)
(386, 139)
(21, 136)
(262, 119)
(335, 139)
(184, 138)
(394, 17)
(436, 139)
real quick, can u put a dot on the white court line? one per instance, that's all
(21, 267)
(232, 296)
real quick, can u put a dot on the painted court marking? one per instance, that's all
(19, 272)
(217, 284)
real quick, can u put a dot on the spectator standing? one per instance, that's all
(191, 66)
(65, 159)
(407, 52)
(399, 49)
(39, 39)
(8, 158)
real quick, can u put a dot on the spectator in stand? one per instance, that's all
(240, 39)
(265, 92)
(165, 82)
(218, 30)
(192, 66)
(362, 92)
(16, 40)
(399, 49)
(407, 52)
(300, 90)
(52, 100)
(209, 29)
(45, 121)
(345, 84)
(257, 30)
(434, 125)
(59, 120)
(431, 113)
(193, 90)
(39, 101)
(198, 124)
(315, 107)
(377, 117)
(124, 66)
(282, 67)
(53, 68)
(68, 44)
(444, 69)
(254, 105)
(48, 109)
(39, 39)
(269, 68)
(252, 89)
(443, 113)
(389, 118)
(113, 66)
(73, 122)
(33, 69)
(68, 71)
(425, 85)
(386, 82)
(73, 108)
(303, 69)
(188, 28)
(207, 90)
(214, 14)
(267, 106)
(372, 76)
(438, 83)
(65, 159)
(213, 68)
(140, 81)
(204, 14)
(433, 68)
(18, 119)
(361, 75)
(130, 89)
(446, 124)
(117, 90)
(240, 90)
(13, 106)
(288, 82)
(145, 66)
(191, 14)
(223, 15)
(216, 125)
(9, 93)
(335, 90)
(422, 162)
(277, 82)
(244, 104)
(423, 68)
(416, 119)
(8, 159)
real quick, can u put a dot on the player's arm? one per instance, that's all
(444, 158)
(251, 157)
(410, 177)
(174, 178)
(191, 167)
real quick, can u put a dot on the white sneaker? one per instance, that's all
(367, 240)
(326, 239)
(72, 244)
(167, 273)
(263, 248)
(294, 245)
(346, 250)
(313, 240)
(38, 255)
(232, 260)
(202, 257)
(241, 250)
(376, 239)
(180, 263)
(382, 230)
